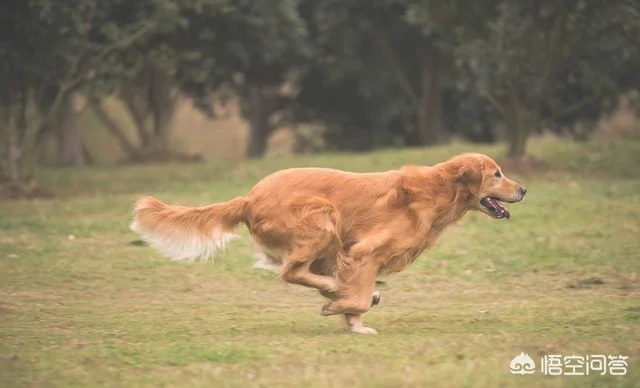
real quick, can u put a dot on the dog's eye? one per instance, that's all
(497, 174)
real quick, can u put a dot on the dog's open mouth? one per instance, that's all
(495, 207)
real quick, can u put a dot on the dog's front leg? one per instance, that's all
(355, 325)
(356, 294)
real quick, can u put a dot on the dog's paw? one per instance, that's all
(375, 298)
(363, 330)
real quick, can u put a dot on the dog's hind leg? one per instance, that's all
(297, 272)
(297, 268)
(308, 232)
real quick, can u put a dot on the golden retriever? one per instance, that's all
(333, 230)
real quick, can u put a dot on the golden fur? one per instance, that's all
(333, 230)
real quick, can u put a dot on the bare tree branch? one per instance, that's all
(74, 77)
(494, 102)
(113, 127)
(102, 54)
(125, 42)
(138, 113)
(575, 106)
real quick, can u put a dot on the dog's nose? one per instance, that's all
(522, 190)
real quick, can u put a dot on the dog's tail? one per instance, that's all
(184, 233)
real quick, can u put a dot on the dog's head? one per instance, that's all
(484, 185)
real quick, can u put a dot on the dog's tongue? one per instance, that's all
(500, 208)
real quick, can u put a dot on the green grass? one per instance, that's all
(81, 304)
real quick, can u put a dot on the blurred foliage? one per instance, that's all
(374, 74)
(49, 50)
(552, 65)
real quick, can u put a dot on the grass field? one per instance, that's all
(83, 304)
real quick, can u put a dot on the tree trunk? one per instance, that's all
(422, 123)
(162, 120)
(429, 115)
(12, 148)
(114, 128)
(258, 123)
(517, 143)
(133, 101)
(262, 95)
(70, 145)
(87, 154)
(519, 124)
(162, 103)
(4, 140)
(485, 133)
(17, 127)
(436, 114)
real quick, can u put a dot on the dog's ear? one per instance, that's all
(469, 175)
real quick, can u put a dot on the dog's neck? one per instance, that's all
(438, 205)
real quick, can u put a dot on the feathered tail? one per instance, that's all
(184, 233)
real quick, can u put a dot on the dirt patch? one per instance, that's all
(24, 190)
(586, 283)
(6, 310)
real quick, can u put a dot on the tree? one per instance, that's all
(145, 79)
(48, 52)
(395, 72)
(543, 62)
(150, 96)
(397, 58)
(251, 48)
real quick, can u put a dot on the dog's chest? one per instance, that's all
(399, 262)
(404, 250)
